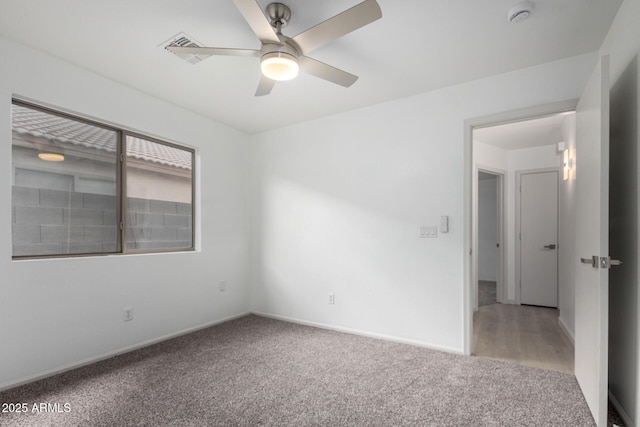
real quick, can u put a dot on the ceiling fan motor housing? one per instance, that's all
(279, 15)
(288, 47)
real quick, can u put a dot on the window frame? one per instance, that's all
(123, 194)
(121, 185)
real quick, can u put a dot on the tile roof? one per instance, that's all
(68, 131)
(158, 153)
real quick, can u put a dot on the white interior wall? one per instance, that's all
(623, 46)
(338, 203)
(488, 156)
(58, 313)
(488, 228)
(566, 245)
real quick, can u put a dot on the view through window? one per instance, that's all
(68, 197)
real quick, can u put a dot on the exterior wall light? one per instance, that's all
(51, 157)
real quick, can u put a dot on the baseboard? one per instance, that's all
(359, 332)
(108, 355)
(623, 414)
(565, 329)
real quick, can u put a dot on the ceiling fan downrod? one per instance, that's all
(279, 16)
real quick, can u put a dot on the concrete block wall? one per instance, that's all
(154, 224)
(47, 222)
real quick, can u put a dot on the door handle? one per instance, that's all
(593, 261)
(551, 246)
(600, 262)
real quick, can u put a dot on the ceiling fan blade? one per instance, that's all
(257, 21)
(186, 50)
(325, 71)
(350, 20)
(265, 86)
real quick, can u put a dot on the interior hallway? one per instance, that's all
(522, 334)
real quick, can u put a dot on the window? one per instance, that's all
(81, 188)
(159, 195)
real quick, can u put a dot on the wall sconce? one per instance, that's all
(567, 164)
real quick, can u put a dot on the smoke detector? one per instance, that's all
(520, 12)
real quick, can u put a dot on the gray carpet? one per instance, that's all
(257, 371)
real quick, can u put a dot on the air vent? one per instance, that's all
(184, 40)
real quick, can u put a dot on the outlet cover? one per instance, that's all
(222, 286)
(332, 298)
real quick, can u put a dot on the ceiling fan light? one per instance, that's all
(279, 66)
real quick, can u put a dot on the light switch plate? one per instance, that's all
(444, 224)
(428, 231)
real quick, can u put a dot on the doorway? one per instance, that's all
(516, 144)
(490, 212)
(591, 124)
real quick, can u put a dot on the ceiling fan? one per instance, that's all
(282, 56)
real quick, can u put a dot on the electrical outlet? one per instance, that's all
(127, 314)
(222, 286)
(332, 298)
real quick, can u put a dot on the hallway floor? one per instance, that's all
(522, 334)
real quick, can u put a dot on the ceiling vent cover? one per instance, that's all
(183, 40)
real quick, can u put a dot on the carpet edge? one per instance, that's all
(623, 414)
(103, 356)
(384, 337)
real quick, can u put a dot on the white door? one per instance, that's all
(539, 238)
(592, 239)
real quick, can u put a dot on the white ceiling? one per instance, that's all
(536, 132)
(417, 46)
